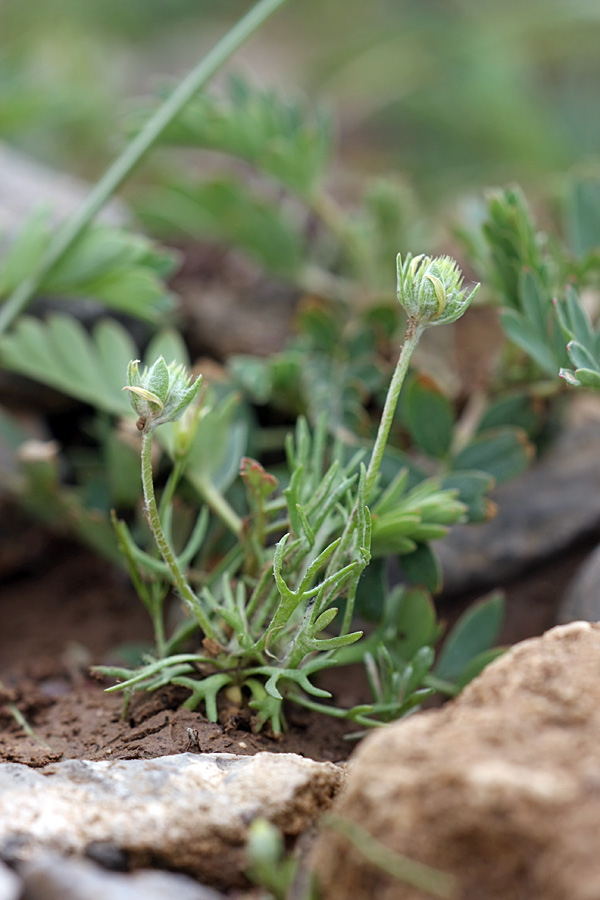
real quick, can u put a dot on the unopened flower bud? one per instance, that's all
(431, 290)
(160, 393)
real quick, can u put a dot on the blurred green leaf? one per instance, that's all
(230, 211)
(115, 267)
(524, 336)
(371, 591)
(476, 665)
(429, 416)
(501, 452)
(416, 622)
(476, 631)
(282, 138)
(516, 409)
(61, 354)
(472, 487)
(583, 216)
(422, 568)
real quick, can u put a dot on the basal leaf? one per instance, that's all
(422, 568)
(476, 631)
(429, 416)
(501, 452)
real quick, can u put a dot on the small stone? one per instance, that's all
(540, 513)
(189, 811)
(582, 597)
(11, 886)
(25, 183)
(500, 788)
(59, 878)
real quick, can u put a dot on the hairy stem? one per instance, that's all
(179, 580)
(123, 166)
(414, 330)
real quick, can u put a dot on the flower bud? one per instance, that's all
(431, 290)
(161, 393)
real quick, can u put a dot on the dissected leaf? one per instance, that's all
(228, 210)
(120, 269)
(282, 137)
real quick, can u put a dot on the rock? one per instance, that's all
(540, 514)
(11, 887)
(188, 812)
(582, 598)
(25, 185)
(500, 788)
(59, 878)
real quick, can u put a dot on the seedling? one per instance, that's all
(268, 622)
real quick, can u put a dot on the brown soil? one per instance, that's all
(63, 610)
(67, 610)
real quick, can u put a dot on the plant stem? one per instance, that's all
(414, 330)
(181, 584)
(413, 333)
(123, 166)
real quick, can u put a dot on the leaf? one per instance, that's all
(228, 210)
(534, 302)
(63, 355)
(472, 487)
(371, 591)
(580, 357)
(501, 452)
(25, 251)
(514, 409)
(169, 344)
(588, 378)
(416, 622)
(113, 266)
(520, 331)
(422, 568)
(476, 665)
(280, 136)
(429, 416)
(476, 631)
(218, 445)
(583, 216)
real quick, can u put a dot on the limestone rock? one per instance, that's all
(57, 878)
(26, 184)
(582, 598)
(500, 788)
(10, 885)
(540, 513)
(189, 812)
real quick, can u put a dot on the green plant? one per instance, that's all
(284, 558)
(528, 268)
(266, 618)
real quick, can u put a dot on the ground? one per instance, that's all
(63, 609)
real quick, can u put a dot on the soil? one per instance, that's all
(62, 610)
